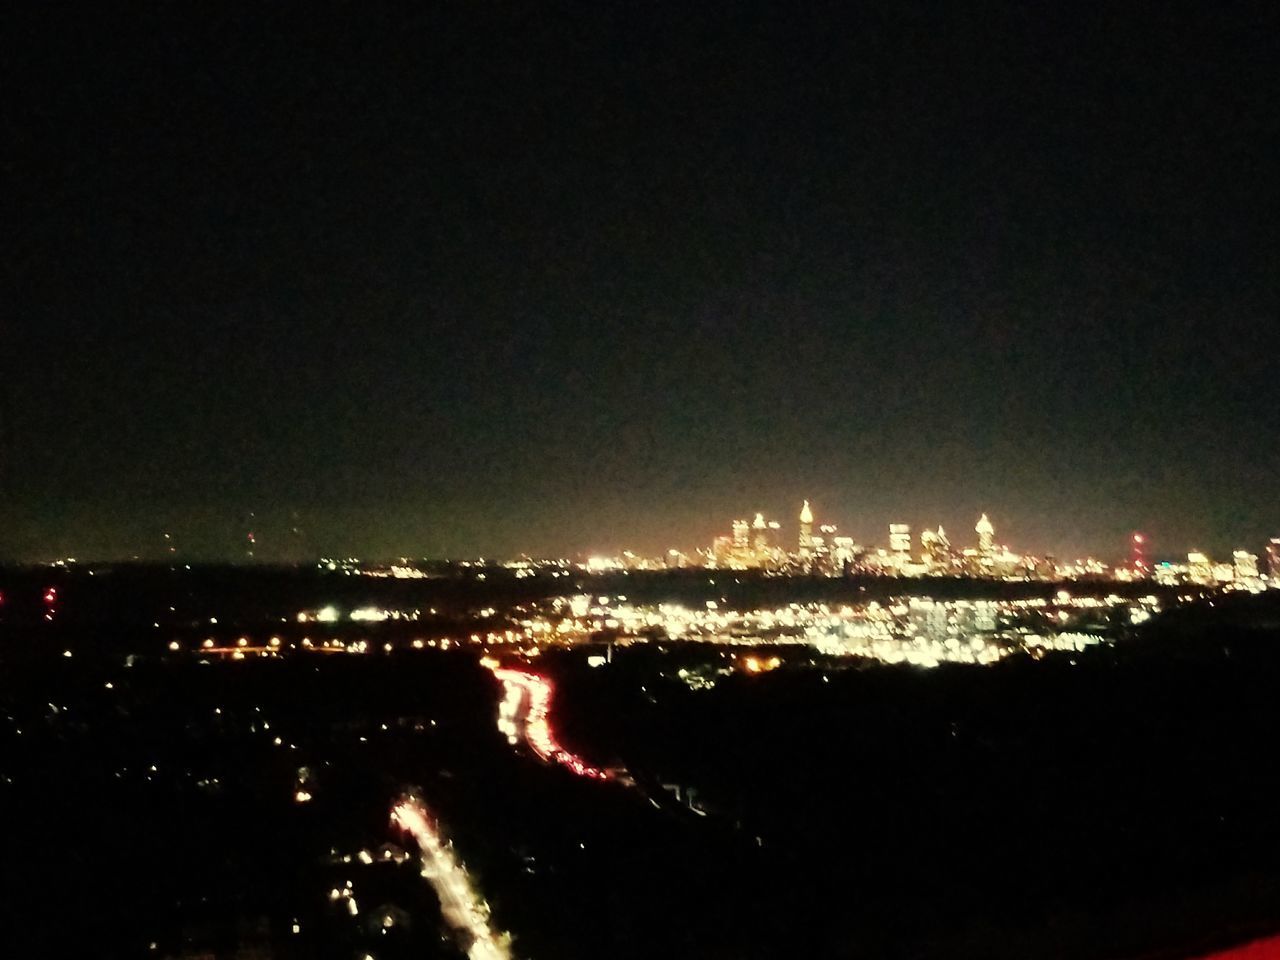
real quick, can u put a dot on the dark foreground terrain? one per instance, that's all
(1119, 803)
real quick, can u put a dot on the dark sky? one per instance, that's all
(556, 278)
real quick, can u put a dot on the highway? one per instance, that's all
(524, 713)
(462, 907)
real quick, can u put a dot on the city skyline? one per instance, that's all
(269, 542)
(553, 481)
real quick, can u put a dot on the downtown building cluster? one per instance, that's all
(759, 546)
(821, 550)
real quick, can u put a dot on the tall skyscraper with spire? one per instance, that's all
(986, 532)
(806, 533)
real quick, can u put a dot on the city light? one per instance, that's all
(461, 905)
(525, 710)
(760, 545)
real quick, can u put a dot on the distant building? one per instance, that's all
(1199, 568)
(1245, 565)
(900, 542)
(843, 553)
(805, 543)
(1273, 558)
(821, 555)
(986, 532)
(935, 551)
(760, 534)
(928, 619)
(750, 547)
(824, 551)
(1138, 555)
(984, 616)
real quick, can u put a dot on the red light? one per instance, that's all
(537, 722)
(1257, 950)
(51, 595)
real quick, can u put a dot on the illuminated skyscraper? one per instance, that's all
(824, 550)
(1273, 558)
(1138, 555)
(806, 532)
(722, 552)
(935, 550)
(741, 537)
(760, 543)
(986, 532)
(842, 553)
(900, 541)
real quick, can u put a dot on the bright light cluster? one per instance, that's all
(462, 907)
(908, 630)
(526, 707)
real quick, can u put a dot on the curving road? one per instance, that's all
(524, 713)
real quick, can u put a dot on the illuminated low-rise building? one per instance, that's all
(1245, 565)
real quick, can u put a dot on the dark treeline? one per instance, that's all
(245, 595)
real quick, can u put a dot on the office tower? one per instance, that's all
(760, 541)
(842, 553)
(986, 537)
(935, 550)
(806, 532)
(741, 540)
(900, 542)
(1138, 555)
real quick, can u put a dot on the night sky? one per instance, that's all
(490, 279)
